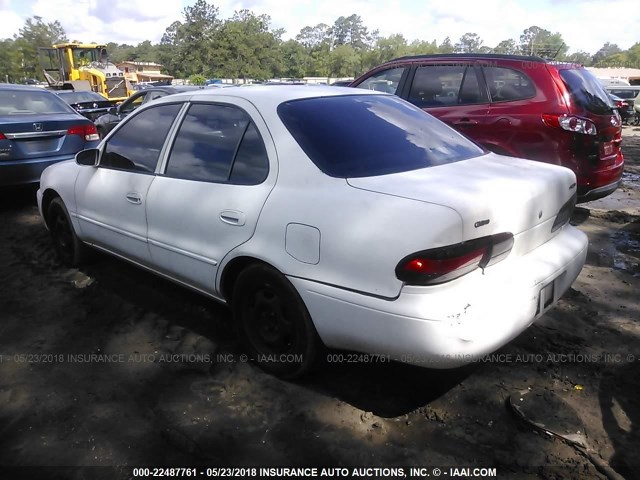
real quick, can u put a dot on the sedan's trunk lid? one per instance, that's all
(30, 136)
(492, 193)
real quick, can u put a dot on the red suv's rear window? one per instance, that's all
(586, 91)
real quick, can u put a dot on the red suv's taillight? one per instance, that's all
(570, 123)
(443, 264)
(89, 132)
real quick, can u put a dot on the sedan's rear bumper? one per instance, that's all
(452, 324)
(22, 172)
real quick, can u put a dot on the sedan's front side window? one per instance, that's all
(137, 144)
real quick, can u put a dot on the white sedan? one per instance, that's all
(325, 215)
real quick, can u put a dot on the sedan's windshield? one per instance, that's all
(368, 135)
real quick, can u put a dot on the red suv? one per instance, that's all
(515, 105)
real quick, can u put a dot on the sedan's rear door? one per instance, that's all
(207, 201)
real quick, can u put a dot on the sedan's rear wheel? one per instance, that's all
(273, 322)
(70, 249)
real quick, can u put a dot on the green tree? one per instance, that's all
(422, 47)
(386, 48)
(580, 57)
(315, 38)
(344, 61)
(168, 50)
(197, 79)
(446, 46)
(246, 48)
(633, 56)
(9, 61)
(187, 47)
(538, 41)
(607, 50)
(351, 31)
(469, 43)
(508, 47)
(145, 52)
(34, 34)
(317, 43)
(294, 59)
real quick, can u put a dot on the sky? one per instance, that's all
(584, 24)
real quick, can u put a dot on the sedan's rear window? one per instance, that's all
(16, 102)
(587, 91)
(80, 97)
(369, 135)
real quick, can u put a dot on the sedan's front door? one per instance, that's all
(207, 202)
(111, 198)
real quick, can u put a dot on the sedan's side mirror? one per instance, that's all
(88, 157)
(113, 111)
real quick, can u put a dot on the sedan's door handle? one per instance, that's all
(465, 122)
(133, 197)
(233, 217)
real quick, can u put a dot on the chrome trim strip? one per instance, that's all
(160, 274)
(26, 135)
(113, 229)
(195, 256)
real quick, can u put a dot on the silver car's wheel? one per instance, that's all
(70, 249)
(273, 322)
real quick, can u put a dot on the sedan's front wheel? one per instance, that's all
(273, 322)
(70, 249)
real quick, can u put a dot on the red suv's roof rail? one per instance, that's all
(527, 58)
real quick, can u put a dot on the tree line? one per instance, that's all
(246, 46)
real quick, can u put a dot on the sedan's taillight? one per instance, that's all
(89, 132)
(564, 214)
(570, 123)
(2, 137)
(443, 264)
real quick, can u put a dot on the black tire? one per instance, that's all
(70, 249)
(273, 323)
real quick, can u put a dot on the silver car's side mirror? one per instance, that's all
(88, 157)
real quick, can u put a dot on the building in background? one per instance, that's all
(609, 75)
(144, 72)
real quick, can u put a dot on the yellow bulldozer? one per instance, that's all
(81, 66)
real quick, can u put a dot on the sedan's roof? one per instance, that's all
(28, 88)
(274, 94)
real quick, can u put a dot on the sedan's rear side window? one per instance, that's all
(217, 143)
(368, 135)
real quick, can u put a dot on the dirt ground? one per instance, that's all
(167, 384)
